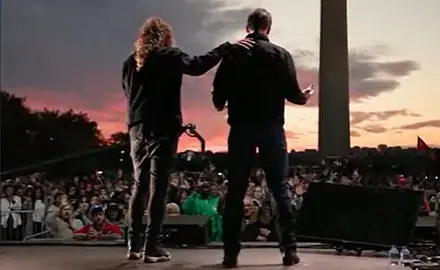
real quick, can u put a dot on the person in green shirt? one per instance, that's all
(204, 203)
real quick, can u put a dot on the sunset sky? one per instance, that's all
(64, 54)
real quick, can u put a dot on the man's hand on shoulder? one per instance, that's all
(246, 43)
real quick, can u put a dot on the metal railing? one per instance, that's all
(18, 225)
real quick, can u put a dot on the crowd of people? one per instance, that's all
(34, 206)
(94, 206)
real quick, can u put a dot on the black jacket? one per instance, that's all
(256, 83)
(153, 92)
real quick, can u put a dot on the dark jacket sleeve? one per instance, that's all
(199, 65)
(125, 71)
(293, 92)
(221, 84)
(124, 74)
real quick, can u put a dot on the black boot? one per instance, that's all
(290, 258)
(230, 258)
(230, 262)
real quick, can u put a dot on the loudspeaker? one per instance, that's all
(186, 230)
(359, 215)
(425, 229)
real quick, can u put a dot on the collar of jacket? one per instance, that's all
(258, 36)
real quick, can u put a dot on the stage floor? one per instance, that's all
(113, 258)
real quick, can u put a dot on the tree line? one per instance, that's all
(30, 137)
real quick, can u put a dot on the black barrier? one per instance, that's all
(363, 215)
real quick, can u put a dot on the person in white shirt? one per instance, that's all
(10, 218)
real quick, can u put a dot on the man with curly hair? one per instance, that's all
(151, 79)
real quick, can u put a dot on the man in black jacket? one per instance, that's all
(255, 84)
(151, 79)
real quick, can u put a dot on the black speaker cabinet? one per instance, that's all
(363, 215)
(186, 230)
(425, 229)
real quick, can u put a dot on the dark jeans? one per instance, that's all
(152, 155)
(10, 233)
(242, 143)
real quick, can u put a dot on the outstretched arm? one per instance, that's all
(199, 65)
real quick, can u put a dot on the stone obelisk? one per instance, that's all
(334, 110)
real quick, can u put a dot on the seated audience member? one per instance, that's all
(203, 203)
(100, 229)
(115, 215)
(264, 229)
(249, 218)
(258, 194)
(59, 199)
(172, 209)
(82, 211)
(64, 224)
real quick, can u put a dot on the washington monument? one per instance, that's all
(334, 111)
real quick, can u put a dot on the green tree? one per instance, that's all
(64, 133)
(29, 138)
(16, 132)
(121, 138)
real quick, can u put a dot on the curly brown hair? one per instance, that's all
(154, 33)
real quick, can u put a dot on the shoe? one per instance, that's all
(135, 244)
(290, 258)
(230, 262)
(134, 256)
(156, 254)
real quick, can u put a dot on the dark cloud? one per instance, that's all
(370, 75)
(62, 45)
(419, 125)
(358, 117)
(68, 54)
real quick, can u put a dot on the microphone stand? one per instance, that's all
(190, 131)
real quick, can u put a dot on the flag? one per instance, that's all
(422, 146)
